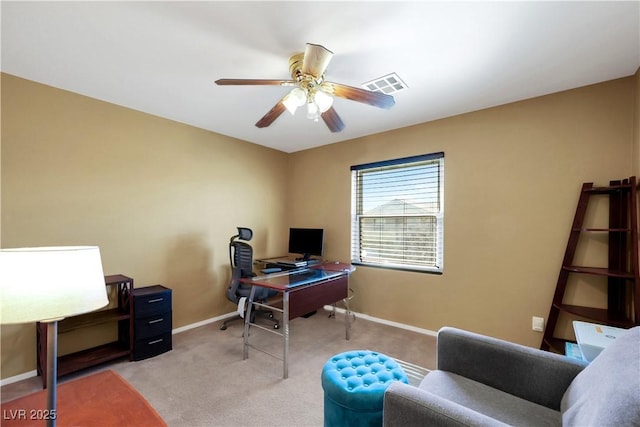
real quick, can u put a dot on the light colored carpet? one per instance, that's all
(203, 381)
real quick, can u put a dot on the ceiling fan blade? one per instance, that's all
(333, 120)
(377, 99)
(316, 59)
(255, 82)
(272, 115)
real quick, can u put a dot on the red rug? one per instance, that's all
(104, 399)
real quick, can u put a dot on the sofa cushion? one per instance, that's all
(489, 401)
(606, 393)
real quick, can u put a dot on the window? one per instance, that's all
(397, 213)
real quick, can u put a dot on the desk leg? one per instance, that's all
(247, 322)
(285, 334)
(347, 319)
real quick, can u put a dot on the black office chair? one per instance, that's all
(241, 261)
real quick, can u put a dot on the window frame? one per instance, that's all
(358, 172)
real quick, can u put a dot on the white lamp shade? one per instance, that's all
(312, 111)
(294, 99)
(324, 100)
(50, 283)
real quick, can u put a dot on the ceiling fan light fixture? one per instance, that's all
(296, 98)
(307, 77)
(313, 112)
(323, 100)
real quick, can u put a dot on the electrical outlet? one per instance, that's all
(537, 324)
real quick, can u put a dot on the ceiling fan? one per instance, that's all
(309, 87)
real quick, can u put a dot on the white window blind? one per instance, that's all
(397, 213)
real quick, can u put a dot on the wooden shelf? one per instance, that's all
(623, 272)
(86, 358)
(598, 271)
(603, 230)
(116, 278)
(599, 315)
(612, 188)
(92, 319)
(122, 319)
(556, 345)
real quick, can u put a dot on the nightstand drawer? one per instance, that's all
(152, 346)
(151, 300)
(152, 325)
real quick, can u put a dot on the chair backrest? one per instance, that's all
(243, 258)
(240, 259)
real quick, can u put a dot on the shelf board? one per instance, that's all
(603, 230)
(86, 358)
(116, 278)
(556, 345)
(598, 271)
(610, 189)
(93, 318)
(600, 315)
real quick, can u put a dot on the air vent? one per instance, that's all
(388, 84)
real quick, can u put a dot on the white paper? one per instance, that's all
(241, 305)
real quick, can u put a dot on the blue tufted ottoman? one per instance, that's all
(354, 383)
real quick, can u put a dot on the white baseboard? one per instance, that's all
(33, 373)
(18, 377)
(385, 322)
(204, 322)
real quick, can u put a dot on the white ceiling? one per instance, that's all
(163, 57)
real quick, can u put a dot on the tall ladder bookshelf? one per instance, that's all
(622, 273)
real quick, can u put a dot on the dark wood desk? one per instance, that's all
(302, 291)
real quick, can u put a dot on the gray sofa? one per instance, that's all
(482, 381)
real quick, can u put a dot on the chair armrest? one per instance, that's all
(535, 375)
(406, 405)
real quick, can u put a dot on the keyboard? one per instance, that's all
(292, 263)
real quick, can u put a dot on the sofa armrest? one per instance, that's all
(535, 375)
(406, 405)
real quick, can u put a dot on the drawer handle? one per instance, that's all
(155, 321)
(156, 341)
(151, 301)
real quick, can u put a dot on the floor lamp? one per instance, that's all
(46, 285)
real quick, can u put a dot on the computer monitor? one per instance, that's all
(306, 242)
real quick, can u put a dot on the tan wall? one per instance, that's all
(0, 164)
(160, 199)
(636, 127)
(512, 179)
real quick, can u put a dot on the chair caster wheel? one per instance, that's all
(223, 327)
